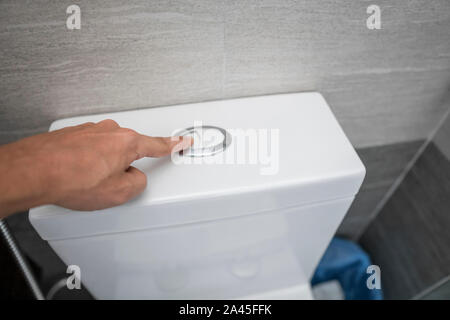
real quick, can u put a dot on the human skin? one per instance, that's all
(84, 167)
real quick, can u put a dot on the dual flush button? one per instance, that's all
(208, 140)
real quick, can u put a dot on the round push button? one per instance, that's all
(211, 137)
(208, 140)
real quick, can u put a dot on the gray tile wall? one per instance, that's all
(385, 86)
(442, 137)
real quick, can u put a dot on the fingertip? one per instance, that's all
(182, 143)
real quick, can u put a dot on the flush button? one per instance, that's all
(208, 140)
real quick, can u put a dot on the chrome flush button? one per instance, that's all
(208, 140)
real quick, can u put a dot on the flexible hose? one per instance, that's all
(55, 288)
(20, 260)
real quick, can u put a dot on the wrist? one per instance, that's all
(24, 185)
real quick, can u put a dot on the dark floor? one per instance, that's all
(13, 285)
(438, 292)
(410, 238)
(47, 266)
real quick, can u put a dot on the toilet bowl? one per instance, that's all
(245, 213)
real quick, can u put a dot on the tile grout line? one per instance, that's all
(430, 288)
(223, 49)
(404, 173)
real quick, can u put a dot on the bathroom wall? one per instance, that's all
(384, 86)
(410, 239)
(442, 137)
(384, 164)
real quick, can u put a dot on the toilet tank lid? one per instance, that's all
(288, 149)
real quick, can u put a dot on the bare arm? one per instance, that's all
(85, 167)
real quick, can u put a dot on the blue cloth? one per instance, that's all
(347, 263)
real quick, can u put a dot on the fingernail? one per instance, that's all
(185, 143)
(189, 140)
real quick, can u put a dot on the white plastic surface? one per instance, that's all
(216, 231)
(315, 163)
(265, 256)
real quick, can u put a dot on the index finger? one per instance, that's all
(156, 147)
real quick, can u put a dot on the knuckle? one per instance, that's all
(109, 122)
(128, 138)
(130, 133)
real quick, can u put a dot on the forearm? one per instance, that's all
(85, 167)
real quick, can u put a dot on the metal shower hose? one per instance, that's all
(20, 260)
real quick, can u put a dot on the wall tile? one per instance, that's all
(125, 56)
(442, 137)
(384, 86)
(410, 238)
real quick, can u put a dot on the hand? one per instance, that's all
(85, 167)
